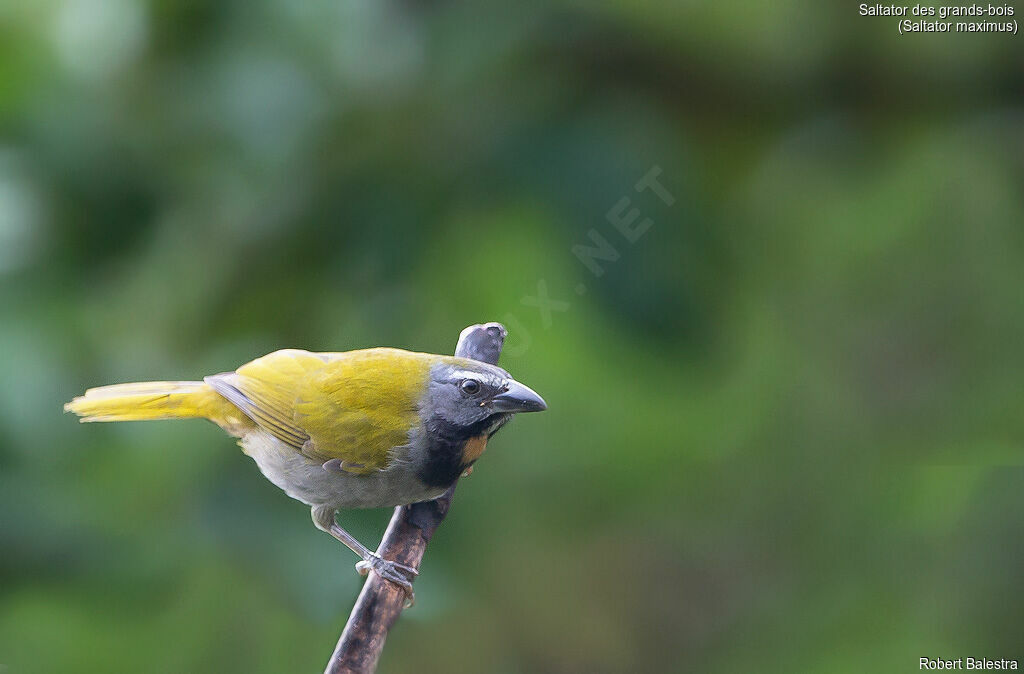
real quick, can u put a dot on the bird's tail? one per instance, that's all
(153, 400)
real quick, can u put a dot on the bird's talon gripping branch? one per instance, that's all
(366, 565)
(394, 572)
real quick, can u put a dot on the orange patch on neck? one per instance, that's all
(474, 448)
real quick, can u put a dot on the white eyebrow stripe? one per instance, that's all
(466, 374)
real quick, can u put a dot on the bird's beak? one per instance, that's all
(518, 398)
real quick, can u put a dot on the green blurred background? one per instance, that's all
(785, 429)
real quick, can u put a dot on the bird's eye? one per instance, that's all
(470, 387)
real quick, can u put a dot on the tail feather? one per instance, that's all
(151, 400)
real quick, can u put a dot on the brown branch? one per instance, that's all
(380, 602)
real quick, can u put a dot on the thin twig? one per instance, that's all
(380, 602)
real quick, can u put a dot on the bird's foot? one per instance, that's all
(394, 572)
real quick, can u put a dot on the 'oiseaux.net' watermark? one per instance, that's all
(630, 224)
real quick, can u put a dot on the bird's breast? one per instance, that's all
(306, 480)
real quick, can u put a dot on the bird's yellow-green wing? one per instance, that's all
(362, 404)
(266, 389)
(354, 406)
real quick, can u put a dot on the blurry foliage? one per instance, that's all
(785, 427)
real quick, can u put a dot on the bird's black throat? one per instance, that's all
(445, 444)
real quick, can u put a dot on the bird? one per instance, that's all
(369, 428)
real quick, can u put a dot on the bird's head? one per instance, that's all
(470, 398)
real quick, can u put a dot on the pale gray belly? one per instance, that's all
(305, 479)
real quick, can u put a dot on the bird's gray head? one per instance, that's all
(466, 402)
(468, 394)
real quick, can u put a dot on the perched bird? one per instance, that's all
(359, 429)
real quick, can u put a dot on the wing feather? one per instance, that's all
(355, 407)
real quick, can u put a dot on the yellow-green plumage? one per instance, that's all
(354, 406)
(153, 400)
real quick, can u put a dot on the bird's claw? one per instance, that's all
(401, 575)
